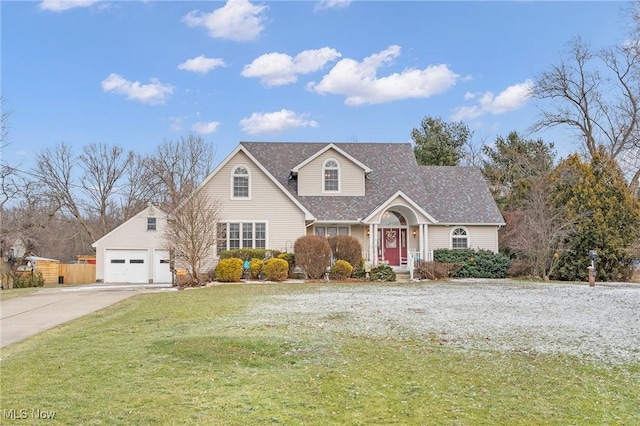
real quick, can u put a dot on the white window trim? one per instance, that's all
(339, 168)
(233, 171)
(253, 233)
(326, 227)
(451, 237)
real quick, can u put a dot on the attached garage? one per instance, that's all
(126, 266)
(161, 267)
(135, 251)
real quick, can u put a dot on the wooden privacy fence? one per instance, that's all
(77, 273)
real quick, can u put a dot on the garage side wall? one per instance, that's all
(133, 243)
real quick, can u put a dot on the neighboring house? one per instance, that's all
(273, 193)
(135, 251)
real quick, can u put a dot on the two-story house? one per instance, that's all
(273, 193)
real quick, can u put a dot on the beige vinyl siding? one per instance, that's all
(133, 234)
(311, 176)
(480, 237)
(284, 220)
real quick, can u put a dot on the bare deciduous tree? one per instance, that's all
(538, 231)
(87, 196)
(104, 166)
(192, 233)
(597, 94)
(178, 167)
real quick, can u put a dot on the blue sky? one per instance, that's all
(135, 73)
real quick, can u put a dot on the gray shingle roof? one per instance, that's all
(453, 195)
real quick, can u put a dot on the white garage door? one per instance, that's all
(126, 266)
(161, 270)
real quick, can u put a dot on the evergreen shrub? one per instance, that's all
(248, 254)
(255, 267)
(474, 263)
(382, 273)
(229, 270)
(28, 280)
(341, 270)
(290, 260)
(275, 270)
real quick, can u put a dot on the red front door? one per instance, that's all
(392, 245)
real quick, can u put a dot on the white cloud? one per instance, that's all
(62, 5)
(359, 83)
(510, 99)
(274, 122)
(276, 69)
(237, 20)
(331, 4)
(154, 93)
(201, 64)
(205, 128)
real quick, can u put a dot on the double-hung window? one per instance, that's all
(240, 182)
(331, 171)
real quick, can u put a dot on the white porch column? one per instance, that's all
(425, 241)
(374, 236)
(372, 250)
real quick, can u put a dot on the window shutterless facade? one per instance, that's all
(330, 231)
(151, 224)
(239, 235)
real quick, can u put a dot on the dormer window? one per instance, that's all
(240, 182)
(331, 170)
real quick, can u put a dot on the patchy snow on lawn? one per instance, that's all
(601, 323)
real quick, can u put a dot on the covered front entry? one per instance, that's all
(393, 245)
(392, 238)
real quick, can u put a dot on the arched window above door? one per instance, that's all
(392, 219)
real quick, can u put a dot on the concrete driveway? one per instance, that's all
(28, 315)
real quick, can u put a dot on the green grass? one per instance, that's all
(189, 358)
(17, 292)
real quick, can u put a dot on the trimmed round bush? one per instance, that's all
(341, 270)
(313, 255)
(290, 260)
(275, 270)
(255, 267)
(229, 270)
(346, 247)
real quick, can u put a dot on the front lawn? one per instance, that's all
(313, 354)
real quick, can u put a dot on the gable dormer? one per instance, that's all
(331, 172)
